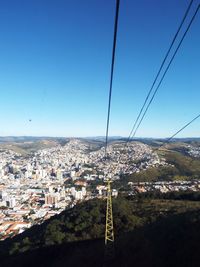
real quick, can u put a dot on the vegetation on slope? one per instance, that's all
(87, 221)
(149, 231)
(181, 167)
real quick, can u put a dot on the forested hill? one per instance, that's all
(149, 232)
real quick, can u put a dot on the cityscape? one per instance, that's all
(35, 187)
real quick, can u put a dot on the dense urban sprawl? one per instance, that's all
(33, 188)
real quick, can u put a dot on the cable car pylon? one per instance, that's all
(109, 231)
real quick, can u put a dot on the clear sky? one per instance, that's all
(55, 60)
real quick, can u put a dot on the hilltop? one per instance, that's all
(25, 145)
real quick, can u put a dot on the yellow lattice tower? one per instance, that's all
(109, 233)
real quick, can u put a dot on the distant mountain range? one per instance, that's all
(4, 139)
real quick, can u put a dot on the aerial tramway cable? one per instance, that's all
(135, 128)
(159, 71)
(111, 74)
(177, 132)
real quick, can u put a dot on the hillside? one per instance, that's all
(182, 166)
(148, 231)
(28, 145)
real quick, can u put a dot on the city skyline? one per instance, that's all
(55, 66)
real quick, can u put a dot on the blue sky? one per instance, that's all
(55, 66)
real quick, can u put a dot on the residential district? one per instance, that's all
(35, 187)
